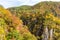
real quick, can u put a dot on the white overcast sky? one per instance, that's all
(12, 3)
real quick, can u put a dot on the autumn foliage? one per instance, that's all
(38, 22)
(12, 28)
(42, 19)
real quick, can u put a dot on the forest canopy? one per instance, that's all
(38, 22)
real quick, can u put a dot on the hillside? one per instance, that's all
(42, 19)
(12, 28)
(53, 7)
(41, 7)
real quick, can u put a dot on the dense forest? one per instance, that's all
(38, 22)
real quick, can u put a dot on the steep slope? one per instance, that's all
(43, 18)
(11, 28)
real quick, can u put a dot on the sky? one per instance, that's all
(12, 3)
